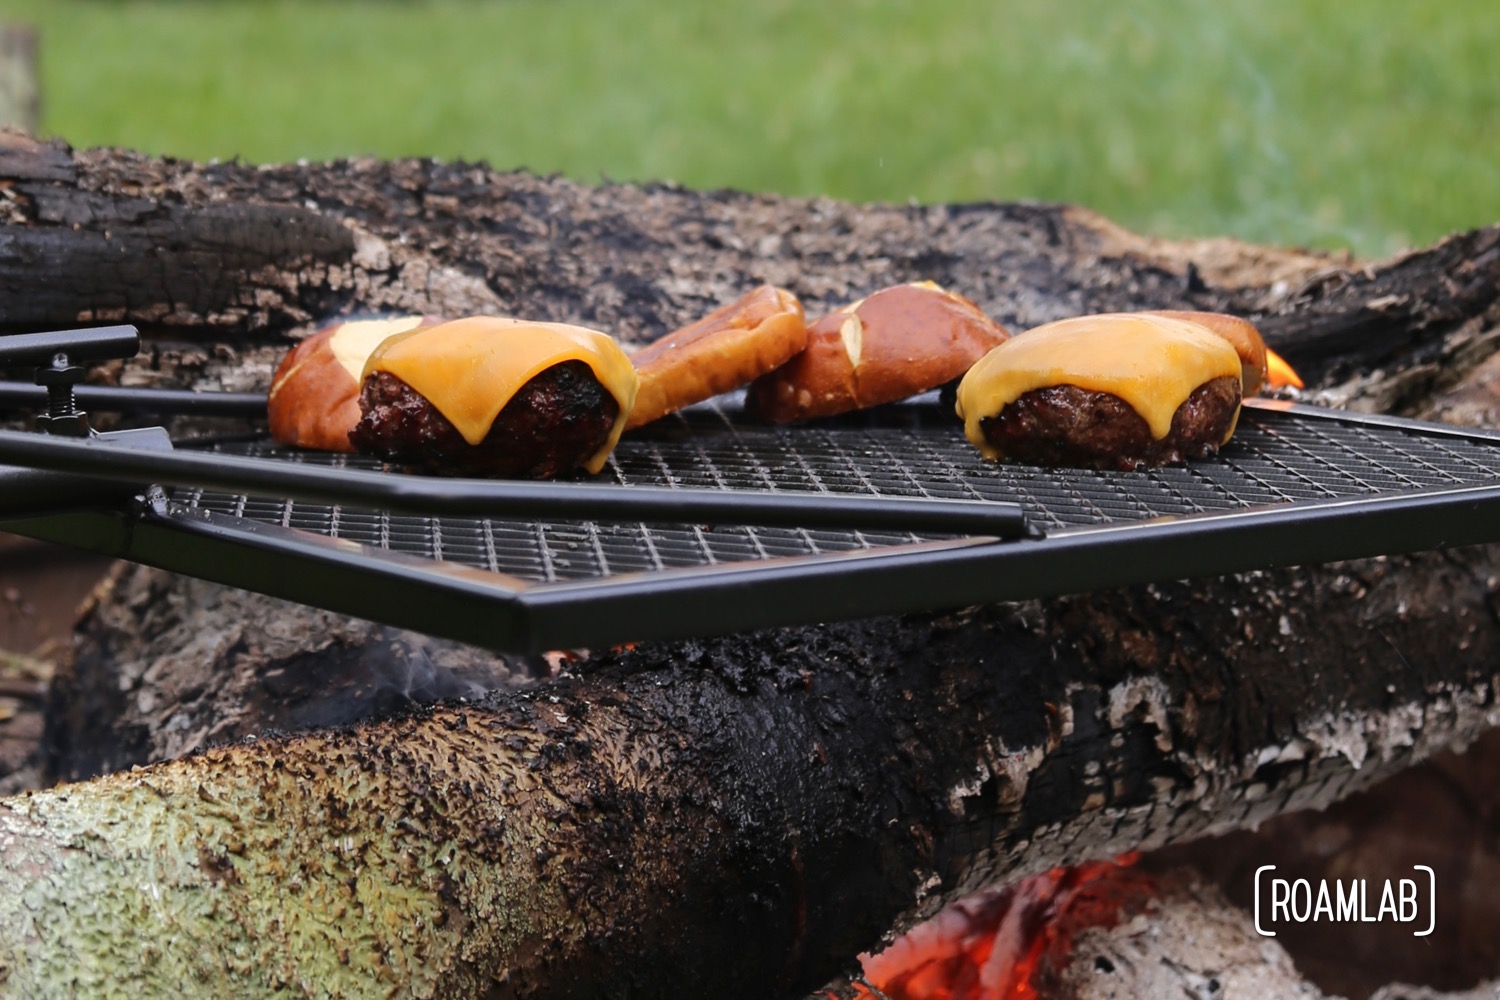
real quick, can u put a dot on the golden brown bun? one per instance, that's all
(1242, 336)
(743, 340)
(896, 343)
(314, 398)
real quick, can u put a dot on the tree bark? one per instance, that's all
(225, 264)
(740, 814)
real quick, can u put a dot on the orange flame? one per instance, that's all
(994, 945)
(1279, 373)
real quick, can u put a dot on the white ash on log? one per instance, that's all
(1404, 991)
(1441, 814)
(1111, 931)
(740, 814)
(1104, 933)
(1192, 943)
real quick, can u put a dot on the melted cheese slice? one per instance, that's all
(469, 369)
(1151, 362)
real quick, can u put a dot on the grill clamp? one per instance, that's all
(62, 357)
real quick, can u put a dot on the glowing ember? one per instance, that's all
(995, 945)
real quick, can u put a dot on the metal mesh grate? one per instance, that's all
(909, 450)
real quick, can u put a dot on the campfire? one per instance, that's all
(727, 782)
(1004, 942)
(1023, 940)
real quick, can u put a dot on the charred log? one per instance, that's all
(223, 261)
(1345, 322)
(739, 814)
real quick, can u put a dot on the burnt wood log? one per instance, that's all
(741, 814)
(223, 264)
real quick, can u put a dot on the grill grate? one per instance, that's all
(910, 450)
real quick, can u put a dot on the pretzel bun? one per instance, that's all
(1242, 336)
(755, 334)
(314, 397)
(895, 343)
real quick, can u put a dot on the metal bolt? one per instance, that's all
(60, 399)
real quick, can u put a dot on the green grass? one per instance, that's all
(1371, 126)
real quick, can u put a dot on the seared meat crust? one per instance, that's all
(552, 425)
(1064, 425)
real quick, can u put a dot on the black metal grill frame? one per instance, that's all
(1297, 485)
(910, 451)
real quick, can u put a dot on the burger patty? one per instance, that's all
(553, 424)
(1064, 425)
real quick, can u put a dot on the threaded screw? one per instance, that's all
(60, 399)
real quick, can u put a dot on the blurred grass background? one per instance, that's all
(1371, 127)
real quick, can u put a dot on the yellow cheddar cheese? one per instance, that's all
(468, 369)
(1151, 362)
